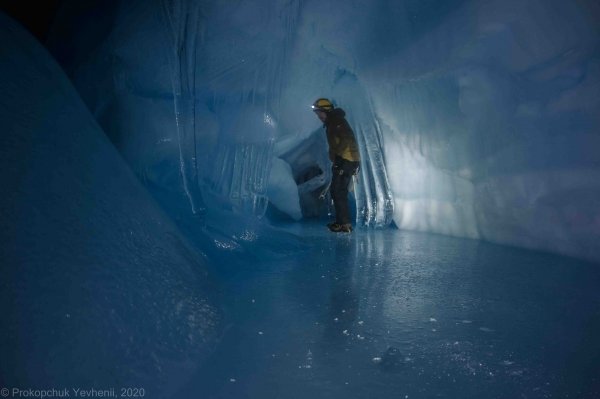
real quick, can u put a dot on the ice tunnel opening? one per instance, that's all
(309, 170)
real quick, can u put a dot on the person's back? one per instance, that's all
(340, 136)
(345, 155)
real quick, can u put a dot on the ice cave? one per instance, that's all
(165, 196)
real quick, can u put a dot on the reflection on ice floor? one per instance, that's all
(395, 314)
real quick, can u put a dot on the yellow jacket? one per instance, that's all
(340, 136)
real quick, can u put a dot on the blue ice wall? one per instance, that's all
(475, 119)
(493, 124)
(98, 288)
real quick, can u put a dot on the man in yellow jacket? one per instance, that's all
(343, 152)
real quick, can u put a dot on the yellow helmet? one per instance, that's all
(322, 104)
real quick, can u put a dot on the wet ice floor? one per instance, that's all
(394, 314)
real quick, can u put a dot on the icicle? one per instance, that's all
(374, 201)
(181, 19)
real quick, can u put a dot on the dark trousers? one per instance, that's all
(342, 171)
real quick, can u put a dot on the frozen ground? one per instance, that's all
(394, 314)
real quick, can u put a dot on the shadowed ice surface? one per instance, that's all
(395, 314)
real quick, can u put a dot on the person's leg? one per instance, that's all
(334, 189)
(342, 175)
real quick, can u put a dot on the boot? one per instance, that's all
(340, 228)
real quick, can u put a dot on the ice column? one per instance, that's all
(240, 175)
(243, 71)
(374, 200)
(182, 19)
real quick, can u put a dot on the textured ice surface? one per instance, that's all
(484, 149)
(351, 317)
(98, 288)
